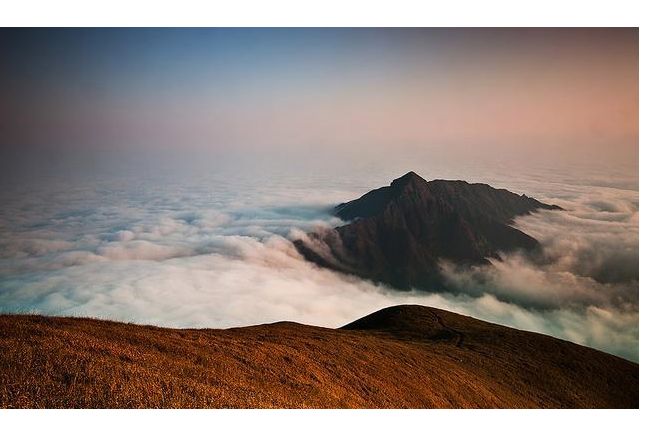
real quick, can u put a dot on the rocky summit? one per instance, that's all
(398, 234)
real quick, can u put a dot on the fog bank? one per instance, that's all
(216, 251)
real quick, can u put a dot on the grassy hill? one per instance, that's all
(404, 356)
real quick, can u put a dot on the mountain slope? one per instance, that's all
(405, 356)
(399, 233)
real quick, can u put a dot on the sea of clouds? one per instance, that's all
(215, 251)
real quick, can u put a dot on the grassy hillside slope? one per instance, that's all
(404, 356)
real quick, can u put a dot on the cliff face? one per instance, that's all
(398, 233)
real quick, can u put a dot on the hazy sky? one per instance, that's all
(532, 93)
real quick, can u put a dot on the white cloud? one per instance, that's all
(206, 256)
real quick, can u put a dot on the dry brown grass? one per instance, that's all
(403, 357)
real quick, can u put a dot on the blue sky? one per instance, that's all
(528, 92)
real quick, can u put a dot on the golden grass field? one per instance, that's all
(400, 357)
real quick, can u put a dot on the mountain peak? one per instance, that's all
(398, 234)
(410, 178)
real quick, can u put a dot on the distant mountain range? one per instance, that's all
(406, 356)
(397, 234)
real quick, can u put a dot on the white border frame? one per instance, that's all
(277, 13)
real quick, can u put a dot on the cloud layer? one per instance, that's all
(217, 254)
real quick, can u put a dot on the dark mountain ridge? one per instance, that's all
(399, 233)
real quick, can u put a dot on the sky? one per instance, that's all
(457, 93)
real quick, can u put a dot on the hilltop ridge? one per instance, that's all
(406, 356)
